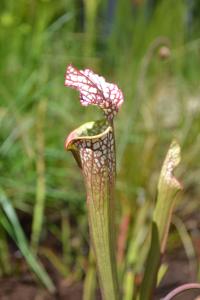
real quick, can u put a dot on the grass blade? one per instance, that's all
(21, 241)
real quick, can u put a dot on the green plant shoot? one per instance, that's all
(168, 188)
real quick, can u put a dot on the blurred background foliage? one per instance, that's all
(151, 49)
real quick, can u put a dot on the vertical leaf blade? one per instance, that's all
(168, 188)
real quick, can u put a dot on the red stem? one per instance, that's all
(122, 237)
(180, 289)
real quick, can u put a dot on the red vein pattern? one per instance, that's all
(97, 155)
(95, 90)
(98, 165)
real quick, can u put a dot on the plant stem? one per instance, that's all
(100, 211)
(38, 214)
(89, 289)
(5, 265)
(181, 289)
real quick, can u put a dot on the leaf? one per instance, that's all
(10, 222)
(168, 188)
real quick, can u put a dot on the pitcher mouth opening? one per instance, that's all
(86, 134)
(87, 131)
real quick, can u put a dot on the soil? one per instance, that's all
(20, 289)
(26, 288)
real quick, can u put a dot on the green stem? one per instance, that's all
(38, 214)
(5, 265)
(91, 10)
(89, 289)
(100, 211)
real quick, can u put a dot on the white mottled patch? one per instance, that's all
(96, 146)
(98, 153)
(92, 90)
(89, 144)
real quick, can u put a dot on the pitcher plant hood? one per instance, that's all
(95, 90)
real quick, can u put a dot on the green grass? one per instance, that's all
(38, 39)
